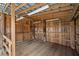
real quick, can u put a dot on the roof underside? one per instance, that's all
(30, 7)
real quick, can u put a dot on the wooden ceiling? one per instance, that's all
(31, 8)
(64, 15)
(62, 11)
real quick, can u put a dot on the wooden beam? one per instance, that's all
(59, 5)
(7, 39)
(20, 6)
(7, 49)
(13, 28)
(31, 8)
(6, 6)
(63, 7)
(44, 28)
(75, 11)
(57, 10)
(52, 15)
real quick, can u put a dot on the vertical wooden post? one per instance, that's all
(60, 32)
(72, 33)
(75, 32)
(13, 28)
(2, 21)
(44, 29)
(33, 29)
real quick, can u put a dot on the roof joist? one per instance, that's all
(23, 4)
(6, 6)
(59, 5)
(52, 15)
(31, 8)
(57, 10)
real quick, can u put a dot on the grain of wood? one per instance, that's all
(38, 48)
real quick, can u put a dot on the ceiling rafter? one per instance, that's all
(6, 6)
(30, 8)
(56, 10)
(23, 4)
(61, 10)
(57, 6)
(75, 11)
(52, 15)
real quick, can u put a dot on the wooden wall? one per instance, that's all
(72, 35)
(22, 29)
(7, 26)
(77, 35)
(39, 30)
(52, 31)
(1, 32)
(61, 32)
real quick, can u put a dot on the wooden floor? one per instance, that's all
(0, 51)
(36, 48)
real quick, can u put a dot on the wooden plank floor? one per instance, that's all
(36, 48)
(0, 51)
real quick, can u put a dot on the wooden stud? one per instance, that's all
(75, 32)
(10, 50)
(2, 29)
(60, 28)
(13, 28)
(44, 29)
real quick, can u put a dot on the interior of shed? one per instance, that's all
(39, 29)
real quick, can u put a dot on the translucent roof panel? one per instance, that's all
(17, 4)
(24, 7)
(31, 4)
(18, 10)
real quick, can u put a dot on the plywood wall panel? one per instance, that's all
(23, 29)
(58, 32)
(39, 31)
(22, 26)
(18, 27)
(27, 36)
(19, 36)
(52, 30)
(7, 26)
